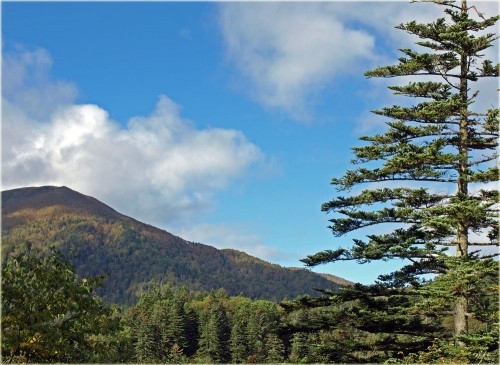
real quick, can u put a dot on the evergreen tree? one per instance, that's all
(263, 321)
(163, 326)
(148, 347)
(215, 333)
(174, 329)
(238, 341)
(149, 320)
(300, 347)
(275, 349)
(447, 148)
(192, 331)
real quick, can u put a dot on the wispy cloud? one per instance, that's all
(288, 52)
(26, 83)
(158, 168)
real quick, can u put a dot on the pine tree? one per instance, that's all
(300, 347)
(215, 333)
(148, 345)
(192, 332)
(442, 151)
(275, 349)
(174, 330)
(263, 321)
(238, 341)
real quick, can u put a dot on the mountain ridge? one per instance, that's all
(136, 255)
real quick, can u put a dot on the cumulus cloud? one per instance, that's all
(158, 168)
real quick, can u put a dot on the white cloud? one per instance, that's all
(290, 51)
(159, 168)
(26, 83)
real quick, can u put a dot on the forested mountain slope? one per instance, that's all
(135, 255)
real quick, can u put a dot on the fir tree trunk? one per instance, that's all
(460, 318)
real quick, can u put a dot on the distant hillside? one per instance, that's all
(135, 255)
(337, 280)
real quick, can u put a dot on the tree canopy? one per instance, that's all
(430, 176)
(49, 314)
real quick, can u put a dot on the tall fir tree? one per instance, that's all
(442, 152)
(263, 321)
(238, 341)
(215, 333)
(275, 349)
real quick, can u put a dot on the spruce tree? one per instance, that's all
(238, 342)
(299, 347)
(275, 349)
(264, 320)
(148, 344)
(442, 153)
(214, 333)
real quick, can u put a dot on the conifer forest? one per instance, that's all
(431, 178)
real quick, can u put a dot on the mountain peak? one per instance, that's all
(51, 196)
(135, 255)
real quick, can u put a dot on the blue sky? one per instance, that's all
(220, 122)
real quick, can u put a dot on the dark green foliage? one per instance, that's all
(239, 346)
(434, 149)
(50, 315)
(214, 334)
(162, 328)
(239, 343)
(300, 348)
(263, 323)
(438, 308)
(275, 349)
(361, 324)
(176, 325)
(148, 347)
(211, 328)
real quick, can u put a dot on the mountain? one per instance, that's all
(135, 255)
